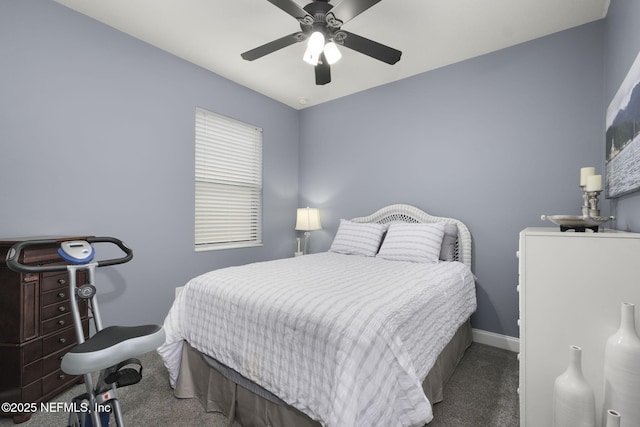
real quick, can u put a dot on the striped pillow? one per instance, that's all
(412, 242)
(354, 238)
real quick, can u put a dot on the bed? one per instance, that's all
(365, 334)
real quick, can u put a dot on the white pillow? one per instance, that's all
(354, 238)
(448, 251)
(412, 242)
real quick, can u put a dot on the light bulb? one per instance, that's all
(332, 53)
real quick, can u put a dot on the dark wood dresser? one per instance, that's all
(36, 327)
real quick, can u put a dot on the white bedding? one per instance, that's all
(345, 339)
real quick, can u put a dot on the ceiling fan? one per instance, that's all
(321, 24)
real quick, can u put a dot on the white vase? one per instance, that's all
(613, 418)
(573, 399)
(622, 370)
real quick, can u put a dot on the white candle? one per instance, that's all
(585, 173)
(594, 183)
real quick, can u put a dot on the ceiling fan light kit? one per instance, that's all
(320, 25)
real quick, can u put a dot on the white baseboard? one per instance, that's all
(504, 342)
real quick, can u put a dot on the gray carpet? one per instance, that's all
(481, 393)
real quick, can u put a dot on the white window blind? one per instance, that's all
(228, 178)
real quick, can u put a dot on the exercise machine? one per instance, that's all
(111, 352)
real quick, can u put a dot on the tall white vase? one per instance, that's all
(573, 399)
(613, 418)
(622, 370)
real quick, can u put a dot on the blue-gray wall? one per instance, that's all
(97, 137)
(494, 141)
(622, 45)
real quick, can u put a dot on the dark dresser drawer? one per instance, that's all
(54, 281)
(55, 342)
(55, 310)
(52, 297)
(32, 351)
(52, 362)
(57, 323)
(56, 380)
(32, 392)
(32, 372)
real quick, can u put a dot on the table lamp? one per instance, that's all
(308, 219)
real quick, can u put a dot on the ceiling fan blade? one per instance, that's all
(369, 47)
(290, 7)
(270, 47)
(346, 10)
(323, 71)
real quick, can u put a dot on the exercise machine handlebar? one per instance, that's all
(13, 256)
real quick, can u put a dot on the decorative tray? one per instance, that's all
(576, 222)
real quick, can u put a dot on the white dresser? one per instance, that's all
(571, 288)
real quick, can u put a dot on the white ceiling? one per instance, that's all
(430, 34)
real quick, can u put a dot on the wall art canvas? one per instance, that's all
(623, 136)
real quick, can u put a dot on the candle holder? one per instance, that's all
(591, 199)
(593, 203)
(585, 200)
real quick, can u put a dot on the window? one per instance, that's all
(228, 178)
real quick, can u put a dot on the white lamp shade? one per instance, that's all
(308, 219)
(332, 53)
(310, 57)
(316, 43)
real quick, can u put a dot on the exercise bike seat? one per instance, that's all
(111, 346)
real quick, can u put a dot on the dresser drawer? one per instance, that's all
(54, 281)
(32, 351)
(58, 341)
(32, 392)
(52, 363)
(31, 372)
(55, 380)
(57, 323)
(55, 310)
(55, 296)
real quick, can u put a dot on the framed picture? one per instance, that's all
(622, 141)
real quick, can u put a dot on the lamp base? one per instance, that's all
(307, 239)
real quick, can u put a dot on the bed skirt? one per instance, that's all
(254, 407)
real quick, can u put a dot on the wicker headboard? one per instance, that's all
(407, 213)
